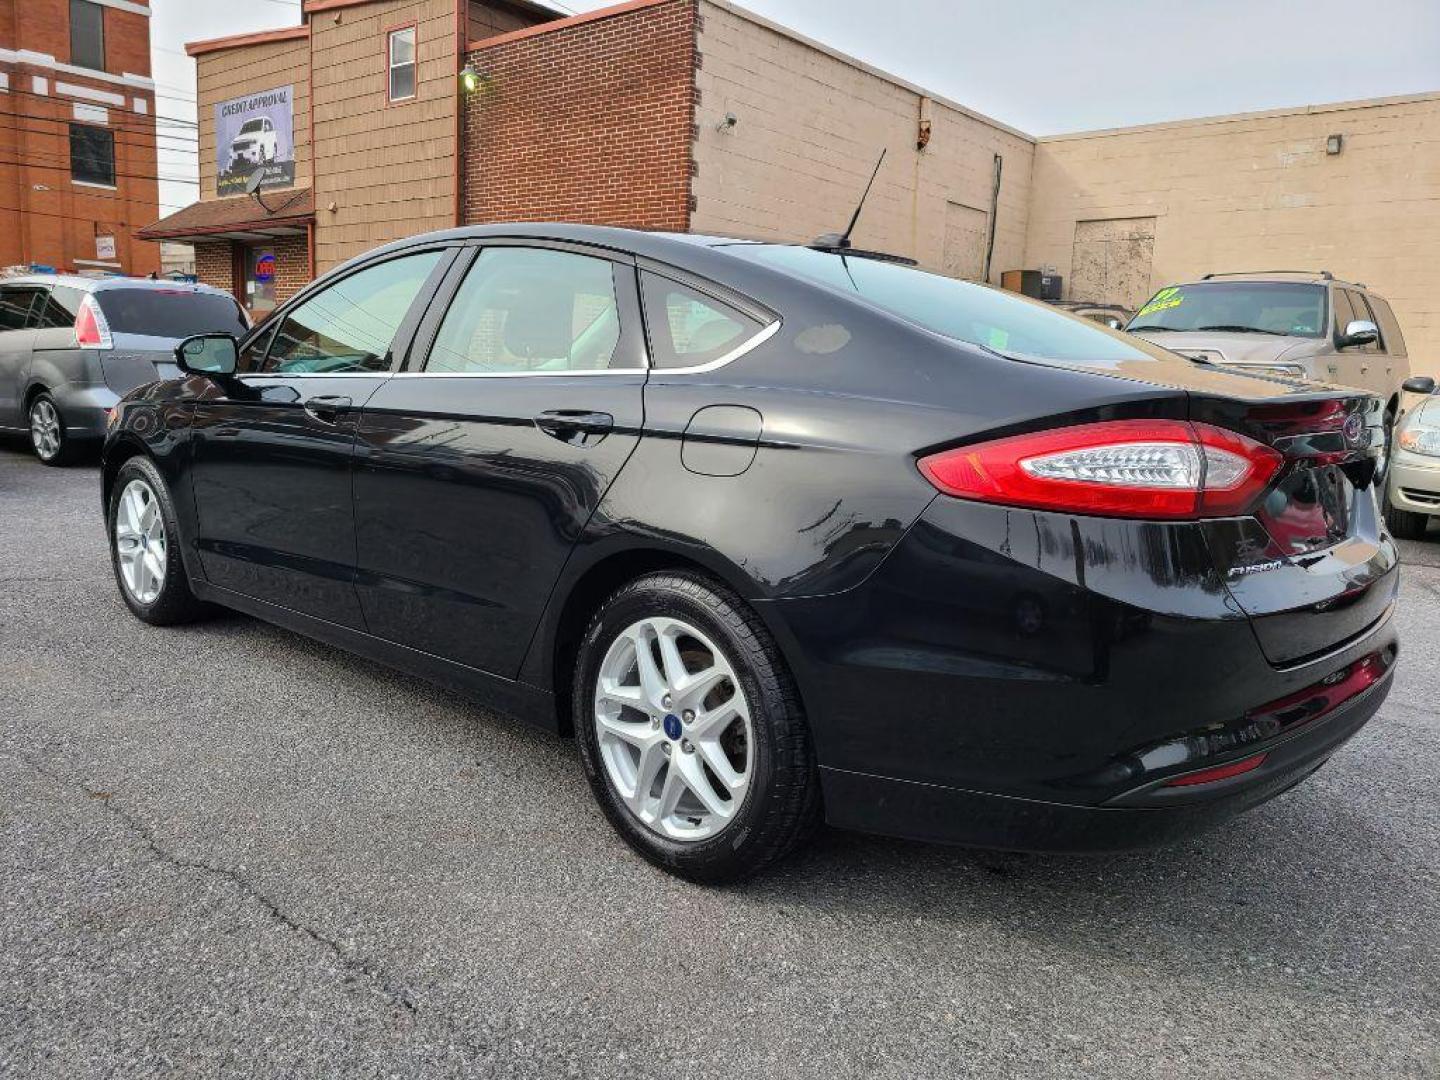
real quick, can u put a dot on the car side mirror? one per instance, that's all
(1419, 384)
(1360, 332)
(208, 354)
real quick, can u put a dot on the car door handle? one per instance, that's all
(574, 426)
(328, 408)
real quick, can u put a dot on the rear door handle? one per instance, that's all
(328, 408)
(575, 426)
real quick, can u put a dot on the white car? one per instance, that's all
(257, 143)
(1413, 497)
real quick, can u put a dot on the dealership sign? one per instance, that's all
(255, 132)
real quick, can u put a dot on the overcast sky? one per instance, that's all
(1043, 66)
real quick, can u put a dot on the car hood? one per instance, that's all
(1234, 348)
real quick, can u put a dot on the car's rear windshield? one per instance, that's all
(956, 309)
(1292, 309)
(170, 313)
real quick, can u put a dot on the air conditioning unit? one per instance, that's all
(1033, 283)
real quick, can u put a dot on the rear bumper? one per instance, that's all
(1030, 680)
(84, 409)
(940, 814)
(1415, 483)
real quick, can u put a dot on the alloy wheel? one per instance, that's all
(140, 542)
(45, 431)
(674, 729)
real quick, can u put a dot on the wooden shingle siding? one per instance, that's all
(232, 73)
(388, 168)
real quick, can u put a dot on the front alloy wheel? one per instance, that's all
(140, 543)
(673, 728)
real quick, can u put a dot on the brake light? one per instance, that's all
(1170, 470)
(91, 329)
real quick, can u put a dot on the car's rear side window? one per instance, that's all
(531, 310)
(690, 329)
(956, 309)
(170, 313)
(15, 308)
(59, 310)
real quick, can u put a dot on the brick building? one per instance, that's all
(699, 115)
(78, 169)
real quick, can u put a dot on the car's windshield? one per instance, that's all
(170, 313)
(957, 309)
(253, 125)
(1292, 309)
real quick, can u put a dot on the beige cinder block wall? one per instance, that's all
(1255, 192)
(388, 168)
(235, 73)
(811, 124)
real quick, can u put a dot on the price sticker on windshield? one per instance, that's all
(1164, 300)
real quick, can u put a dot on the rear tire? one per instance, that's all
(145, 547)
(47, 432)
(717, 714)
(1404, 525)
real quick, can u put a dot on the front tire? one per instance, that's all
(1405, 525)
(691, 730)
(47, 432)
(145, 547)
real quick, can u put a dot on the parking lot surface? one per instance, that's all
(228, 851)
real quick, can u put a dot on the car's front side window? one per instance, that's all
(350, 326)
(531, 310)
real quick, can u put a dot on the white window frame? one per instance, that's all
(391, 66)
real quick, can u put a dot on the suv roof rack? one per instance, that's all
(1323, 275)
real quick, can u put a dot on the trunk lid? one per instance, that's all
(1314, 568)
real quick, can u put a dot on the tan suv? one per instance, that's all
(1296, 324)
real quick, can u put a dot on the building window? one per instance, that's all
(87, 34)
(402, 64)
(92, 155)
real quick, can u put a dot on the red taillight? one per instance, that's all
(91, 331)
(1220, 772)
(1158, 469)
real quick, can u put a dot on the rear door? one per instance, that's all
(478, 467)
(272, 445)
(17, 339)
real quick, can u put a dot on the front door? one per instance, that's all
(477, 471)
(272, 445)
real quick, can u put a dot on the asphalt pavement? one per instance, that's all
(228, 851)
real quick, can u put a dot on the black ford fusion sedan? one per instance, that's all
(783, 534)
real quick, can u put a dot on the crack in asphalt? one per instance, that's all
(396, 994)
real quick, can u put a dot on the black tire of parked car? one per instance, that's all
(782, 805)
(64, 453)
(1403, 524)
(175, 604)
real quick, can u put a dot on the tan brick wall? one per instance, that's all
(587, 122)
(1258, 192)
(234, 73)
(215, 264)
(389, 169)
(811, 124)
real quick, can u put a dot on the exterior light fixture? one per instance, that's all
(1334, 144)
(469, 79)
